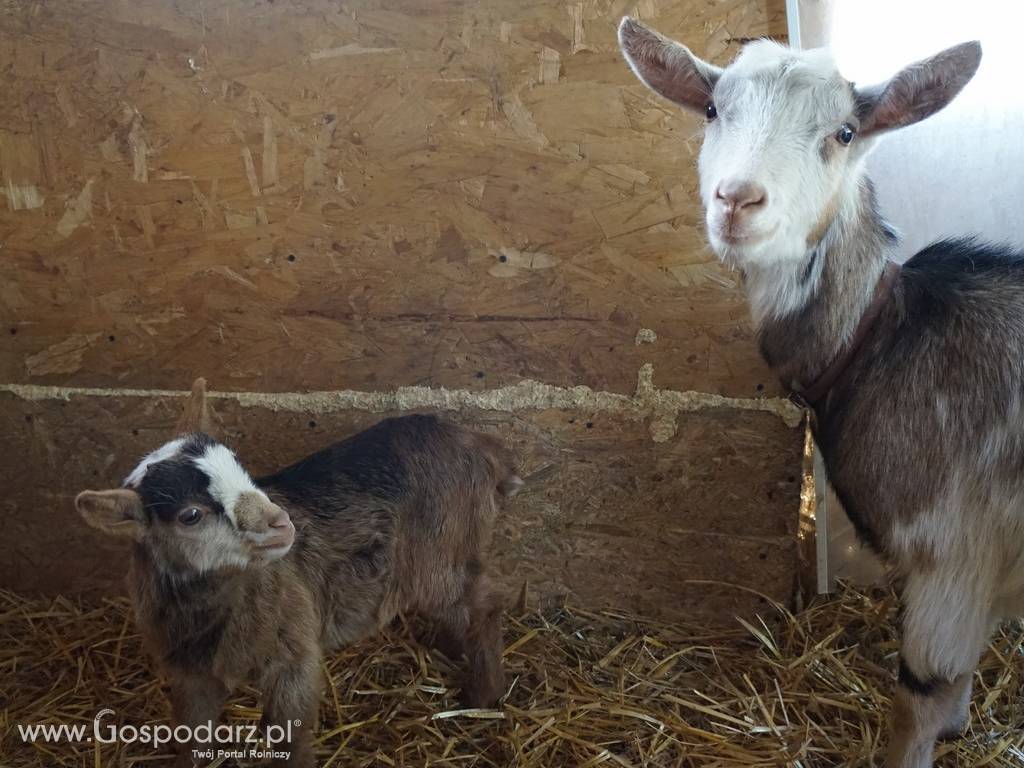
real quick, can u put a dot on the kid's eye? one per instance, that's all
(846, 134)
(190, 516)
(711, 112)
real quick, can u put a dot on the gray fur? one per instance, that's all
(924, 437)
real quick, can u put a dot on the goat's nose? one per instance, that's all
(738, 195)
(280, 519)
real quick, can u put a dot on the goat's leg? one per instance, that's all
(448, 633)
(945, 626)
(960, 707)
(292, 691)
(484, 646)
(196, 700)
(473, 626)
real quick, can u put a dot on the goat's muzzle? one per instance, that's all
(267, 528)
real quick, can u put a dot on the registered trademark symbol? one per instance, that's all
(296, 723)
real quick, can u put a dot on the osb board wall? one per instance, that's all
(295, 196)
(319, 195)
(607, 514)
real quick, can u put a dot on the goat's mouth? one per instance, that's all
(738, 239)
(732, 239)
(270, 551)
(272, 547)
(278, 543)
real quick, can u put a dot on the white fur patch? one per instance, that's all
(164, 452)
(776, 290)
(220, 547)
(759, 55)
(228, 480)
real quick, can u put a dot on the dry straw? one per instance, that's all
(585, 689)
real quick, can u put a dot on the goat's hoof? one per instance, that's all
(953, 732)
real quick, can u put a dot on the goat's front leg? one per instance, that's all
(945, 626)
(196, 700)
(292, 691)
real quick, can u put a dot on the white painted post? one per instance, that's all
(807, 23)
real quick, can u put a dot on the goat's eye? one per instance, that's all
(710, 111)
(190, 516)
(846, 134)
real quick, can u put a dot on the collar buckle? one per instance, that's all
(799, 400)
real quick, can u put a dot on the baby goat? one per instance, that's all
(916, 374)
(233, 578)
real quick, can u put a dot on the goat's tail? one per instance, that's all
(509, 485)
(507, 481)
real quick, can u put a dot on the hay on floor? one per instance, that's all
(585, 689)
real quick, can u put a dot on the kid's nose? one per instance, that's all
(279, 519)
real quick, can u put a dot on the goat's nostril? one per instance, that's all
(280, 520)
(742, 194)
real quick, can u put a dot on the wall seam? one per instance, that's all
(661, 406)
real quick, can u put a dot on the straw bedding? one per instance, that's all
(585, 688)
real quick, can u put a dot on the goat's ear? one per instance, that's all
(196, 416)
(667, 67)
(918, 91)
(117, 512)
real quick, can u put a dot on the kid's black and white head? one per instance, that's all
(195, 507)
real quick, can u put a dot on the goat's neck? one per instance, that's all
(805, 310)
(175, 595)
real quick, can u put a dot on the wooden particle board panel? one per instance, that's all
(288, 196)
(610, 518)
(314, 195)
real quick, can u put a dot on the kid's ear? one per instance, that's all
(919, 90)
(195, 416)
(667, 67)
(117, 512)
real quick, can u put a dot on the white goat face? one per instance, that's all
(779, 140)
(785, 131)
(195, 508)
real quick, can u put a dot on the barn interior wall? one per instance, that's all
(335, 211)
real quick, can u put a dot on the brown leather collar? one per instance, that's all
(820, 387)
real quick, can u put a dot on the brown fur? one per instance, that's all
(828, 215)
(920, 720)
(196, 415)
(394, 519)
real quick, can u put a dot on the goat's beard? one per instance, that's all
(728, 257)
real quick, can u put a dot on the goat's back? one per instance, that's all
(419, 461)
(393, 516)
(930, 419)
